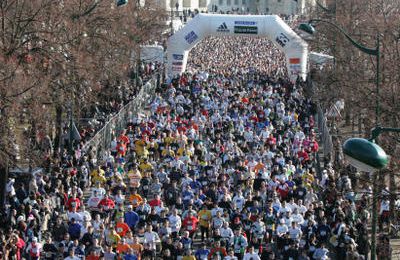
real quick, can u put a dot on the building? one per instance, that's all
(283, 7)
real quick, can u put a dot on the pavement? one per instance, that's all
(395, 244)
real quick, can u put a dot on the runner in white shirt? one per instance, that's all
(238, 201)
(297, 217)
(119, 198)
(175, 221)
(284, 209)
(85, 214)
(301, 208)
(231, 256)
(264, 134)
(93, 201)
(282, 229)
(217, 221)
(151, 237)
(99, 191)
(215, 210)
(258, 228)
(292, 205)
(97, 222)
(251, 255)
(295, 232)
(75, 215)
(226, 232)
(34, 248)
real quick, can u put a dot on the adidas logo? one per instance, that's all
(223, 28)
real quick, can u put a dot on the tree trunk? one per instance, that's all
(393, 190)
(3, 183)
(58, 139)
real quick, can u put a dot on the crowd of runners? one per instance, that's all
(221, 166)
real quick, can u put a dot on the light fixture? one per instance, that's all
(365, 155)
(307, 27)
(121, 2)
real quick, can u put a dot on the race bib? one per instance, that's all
(35, 250)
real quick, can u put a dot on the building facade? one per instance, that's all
(282, 7)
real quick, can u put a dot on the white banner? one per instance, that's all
(270, 26)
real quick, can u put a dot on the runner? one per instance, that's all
(224, 156)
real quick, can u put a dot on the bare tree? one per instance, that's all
(352, 77)
(56, 53)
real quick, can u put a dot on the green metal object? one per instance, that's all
(122, 2)
(332, 11)
(375, 132)
(307, 27)
(377, 80)
(374, 222)
(362, 48)
(88, 11)
(94, 6)
(366, 152)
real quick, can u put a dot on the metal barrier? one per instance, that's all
(101, 141)
(322, 123)
(325, 135)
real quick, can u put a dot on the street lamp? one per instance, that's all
(94, 5)
(363, 154)
(121, 2)
(332, 11)
(367, 156)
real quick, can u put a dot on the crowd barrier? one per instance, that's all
(325, 137)
(101, 141)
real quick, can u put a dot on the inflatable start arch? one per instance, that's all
(269, 26)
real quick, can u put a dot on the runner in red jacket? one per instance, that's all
(106, 204)
(73, 202)
(190, 224)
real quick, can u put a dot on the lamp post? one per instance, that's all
(367, 156)
(94, 5)
(364, 154)
(325, 8)
(71, 132)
